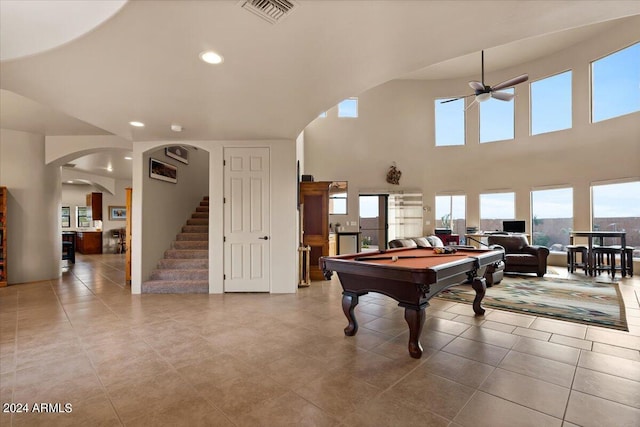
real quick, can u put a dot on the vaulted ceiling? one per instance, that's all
(142, 63)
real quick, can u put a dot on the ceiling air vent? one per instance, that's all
(271, 11)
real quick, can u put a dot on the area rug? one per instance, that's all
(587, 302)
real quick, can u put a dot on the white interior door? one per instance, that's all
(246, 220)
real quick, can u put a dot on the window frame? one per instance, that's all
(533, 217)
(480, 217)
(357, 111)
(570, 99)
(513, 116)
(591, 85)
(437, 102)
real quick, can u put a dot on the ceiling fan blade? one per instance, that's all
(511, 82)
(476, 85)
(503, 96)
(455, 99)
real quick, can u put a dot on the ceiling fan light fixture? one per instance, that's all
(481, 97)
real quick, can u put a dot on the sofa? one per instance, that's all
(520, 256)
(493, 273)
(417, 242)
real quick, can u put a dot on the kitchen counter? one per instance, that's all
(89, 242)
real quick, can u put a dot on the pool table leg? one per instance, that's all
(349, 302)
(415, 320)
(479, 284)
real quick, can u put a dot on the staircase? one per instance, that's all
(185, 267)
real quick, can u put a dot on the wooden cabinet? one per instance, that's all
(3, 236)
(314, 200)
(89, 242)
(94, 201)
(333, 241)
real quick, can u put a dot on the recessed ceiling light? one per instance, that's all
(128, 158)
(137, 124)
(210, 57)
(176, 128)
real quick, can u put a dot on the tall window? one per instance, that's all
(450, 213)
(449, 122)
(348, 108)
(66, 217)
(615, 84)
(616, 207)
(551, 104)
(552, 213)
(338, 198)
(82, 216)
(496, 119)
(495, 208)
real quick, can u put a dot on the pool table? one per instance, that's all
(411, 276)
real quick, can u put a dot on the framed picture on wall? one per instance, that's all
(163, 171)
(178, 153)
(117, 213)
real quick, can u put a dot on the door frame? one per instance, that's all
(385, 197)
(225, 223)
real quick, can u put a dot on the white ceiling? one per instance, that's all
(29, 27)
(142, 62)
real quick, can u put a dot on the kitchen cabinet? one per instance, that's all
(94, 201)
(89, 242)
(314, 202)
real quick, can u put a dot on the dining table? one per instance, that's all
(599, 236)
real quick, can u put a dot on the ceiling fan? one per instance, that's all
(484, 92)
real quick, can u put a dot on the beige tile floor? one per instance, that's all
(282, 360)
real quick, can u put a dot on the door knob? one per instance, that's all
(264, 238)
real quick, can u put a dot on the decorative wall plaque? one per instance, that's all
(393, 176)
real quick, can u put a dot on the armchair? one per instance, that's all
(520, 257)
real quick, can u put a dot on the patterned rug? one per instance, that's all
(591, 303)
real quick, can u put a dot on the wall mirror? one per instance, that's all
(338, 198)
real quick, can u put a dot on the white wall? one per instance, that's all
(396, 123)
(33, 208)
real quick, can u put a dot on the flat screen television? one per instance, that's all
(513, 226)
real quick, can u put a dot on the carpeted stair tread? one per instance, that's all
(183, 264)
(198, 221)
(195, 228)
(175, 287)
(186, 253)
(190, 244)
(179, 275)
(192, 236)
